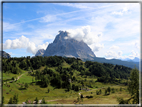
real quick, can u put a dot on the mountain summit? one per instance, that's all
(63, 45)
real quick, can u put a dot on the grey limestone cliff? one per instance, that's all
(63, 45)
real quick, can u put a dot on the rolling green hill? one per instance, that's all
(61, 80)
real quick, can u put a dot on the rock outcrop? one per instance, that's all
(40, 52)
(4, 54)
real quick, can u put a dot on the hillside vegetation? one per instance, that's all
(63, 80)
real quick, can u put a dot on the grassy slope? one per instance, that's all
(59, 95)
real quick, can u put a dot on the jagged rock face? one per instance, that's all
(63, 45)
(4, 54)
(40, 52)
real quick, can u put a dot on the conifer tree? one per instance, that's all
(10, 101)
(43, 101)
(36, 100)
(15, 99)
(105, 91)
(108, 89)
(3, 100)
(133, 85)
(26, 85)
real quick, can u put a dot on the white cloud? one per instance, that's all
(133, 54)
(96, 47)
(84, 33)
(76, 5)
(117, 13)
(124, 10)
(16, 43)
(7, 44)
(121, 27)
(24, 42)
(85, 5)
(113, 54)
(48, 18)
(137, 45)
(9, 27)
(43, 46)
(114, 47)
(31, 48)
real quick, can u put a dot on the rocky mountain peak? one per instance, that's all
(61, 36)
(63, 45)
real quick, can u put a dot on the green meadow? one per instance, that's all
(60, 96)
(82, 84)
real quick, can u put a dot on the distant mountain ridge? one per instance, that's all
(116, 62)
(136, 59)
(63, 45)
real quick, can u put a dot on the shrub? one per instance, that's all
(36, 101)
(81, 96)
(12, 78)
(122, 101)
(26, 85)
(89, 96)
(113, 91)
(120, 88)
(105, 91)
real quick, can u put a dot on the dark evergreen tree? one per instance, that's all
(108, 89)
(26, 85)
(36, 100)
(133, 85)
(43, 101)
(10, 101)
(105, 91)
(3, 100)
(15, 99)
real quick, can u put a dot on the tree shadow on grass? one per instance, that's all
(40, 84)
(106, 94)
(66, 90)
(22, 88)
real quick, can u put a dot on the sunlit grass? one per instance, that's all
(60, 96)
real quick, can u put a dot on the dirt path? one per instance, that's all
(21, 75)
(17, 77)
(53, 100)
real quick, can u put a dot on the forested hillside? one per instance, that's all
(63, 78)
(104, 71)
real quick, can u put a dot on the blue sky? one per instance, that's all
(111, 30)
